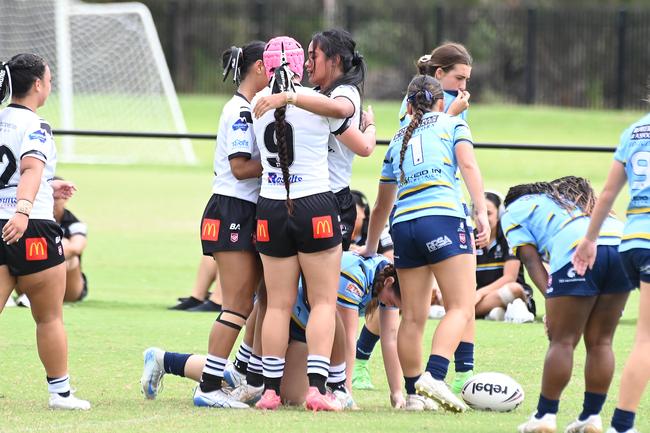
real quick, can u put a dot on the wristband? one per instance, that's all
(24, 206)
(292, 97)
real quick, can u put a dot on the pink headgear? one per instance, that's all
(284, 49)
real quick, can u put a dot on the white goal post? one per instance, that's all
(109, 73)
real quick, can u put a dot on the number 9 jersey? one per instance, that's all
(23, 133)
(307, 136)
(634, 153)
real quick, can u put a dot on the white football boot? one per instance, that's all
(152, 373)
(438, 391)
(545, 424)
(67, 403)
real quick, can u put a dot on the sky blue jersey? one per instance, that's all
(430, 185)
(355, 285)
(634, 152)
(537, 220)
(404, 118)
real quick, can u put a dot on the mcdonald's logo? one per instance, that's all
(263, 231)
(210, 229)
(36, 249)
(322, 227)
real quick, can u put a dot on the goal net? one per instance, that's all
(109, 74)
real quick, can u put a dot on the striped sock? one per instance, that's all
(336, 378)
(317, 370)
(242, 357)
(212, 373)
(273, 370)
(59, 385)
(255, 372)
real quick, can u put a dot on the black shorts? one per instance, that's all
(39, 249)
(296, 332)
(348, 212)
(228, 224)
(314, 225)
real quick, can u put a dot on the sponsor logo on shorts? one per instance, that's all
(38, 135)
(644, 269)
(210, 229)
(263, 231)
(438, 243)
(572, 277)
(277, 179)
(234, 237)
(462, 238)
(35, 249)
(235, 226)
(240, 124)
(322, 227)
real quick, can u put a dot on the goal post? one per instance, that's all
(109, 73)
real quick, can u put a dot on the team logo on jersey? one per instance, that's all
(277, 179)
(641, 133)
(240, 124)
(354, 289)
(38, 135)
(240, 144)
(322, 227)
(210, 229)
(263, 231)
(35, 249)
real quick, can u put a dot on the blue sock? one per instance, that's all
(410, 384)
(622, 420)
(174, 363)
(438, 366)
(545, 405)
(366, 343)
(592, 405)
(464, 357)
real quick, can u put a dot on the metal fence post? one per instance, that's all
(620, 70)
(349, 17)
(440, 18)
(531, 37)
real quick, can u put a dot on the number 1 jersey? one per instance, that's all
(24, 134)
(307, 137)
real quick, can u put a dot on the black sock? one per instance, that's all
(317, 380)
(210, 382)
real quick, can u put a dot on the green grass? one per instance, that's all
(144, 250)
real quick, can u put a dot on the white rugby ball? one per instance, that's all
(492, 391)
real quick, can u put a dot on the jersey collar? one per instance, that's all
(12, 105)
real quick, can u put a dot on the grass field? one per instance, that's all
(144, 250)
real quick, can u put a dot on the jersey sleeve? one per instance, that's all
(240, 140)
(620, 154)
(516, 233)
(461, 131)
(387, 174)
(37, 141)
(350, 294)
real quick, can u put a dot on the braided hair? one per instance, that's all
(19, 74)
(422, 93)
(378, 287)
(568, 192)
(281, 83)
(518, 191)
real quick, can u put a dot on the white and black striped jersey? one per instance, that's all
(23, 134)
(340, 156)
(307, 137)
(235, 139)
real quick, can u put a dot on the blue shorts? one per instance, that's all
(296, 332)
(607, 277)
(637, 265)
(431, 239)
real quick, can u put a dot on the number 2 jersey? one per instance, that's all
(634, 153)
(539, 221)
(307, 137)
(24, 134)
(430, 185)
(235, 139)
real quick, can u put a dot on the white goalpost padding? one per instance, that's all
(109, 73)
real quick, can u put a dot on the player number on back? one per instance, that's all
(641, 168)
(416, 150)
(271, 144)
(8, 160)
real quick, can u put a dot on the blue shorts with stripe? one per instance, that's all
(606, 277)
(637, 265)
(430, 239)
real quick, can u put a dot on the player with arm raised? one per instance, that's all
(31, 254)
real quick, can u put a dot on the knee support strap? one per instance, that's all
(232, 319)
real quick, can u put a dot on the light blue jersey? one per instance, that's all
(355, 285)
(537, 220)
(634, 152)
(404, 118)
(430, 185)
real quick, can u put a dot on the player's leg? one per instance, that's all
(366, 342)
(500, 298)
(294, 382)
(74, 281)
(45, 290)
(7, 284)
(321, 273)
(337, 380)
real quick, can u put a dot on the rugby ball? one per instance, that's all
(492, 391)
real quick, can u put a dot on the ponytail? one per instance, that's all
(5, 82)
(239, 60)
(282, 82)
